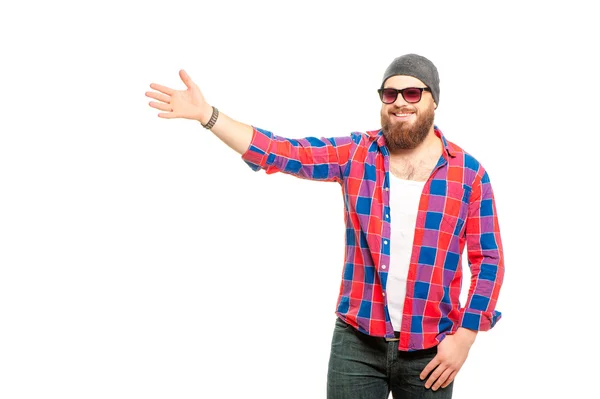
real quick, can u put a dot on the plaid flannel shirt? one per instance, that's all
(456, 208)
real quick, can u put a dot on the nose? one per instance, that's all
(400, 101)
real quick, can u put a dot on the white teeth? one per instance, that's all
(402, 114)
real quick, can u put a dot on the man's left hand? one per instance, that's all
(452, 353)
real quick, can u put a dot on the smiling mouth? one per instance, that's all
(403, 116)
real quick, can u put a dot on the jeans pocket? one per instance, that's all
(340, 324)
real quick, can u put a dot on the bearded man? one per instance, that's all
(413, 200)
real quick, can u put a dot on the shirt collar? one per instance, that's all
(377, 135)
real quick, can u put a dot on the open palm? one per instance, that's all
(188, 104)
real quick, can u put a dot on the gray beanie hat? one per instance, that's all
(418, 67)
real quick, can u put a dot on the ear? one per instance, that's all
(434, 105)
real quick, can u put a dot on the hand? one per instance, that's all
(452, 353)
(188, 104)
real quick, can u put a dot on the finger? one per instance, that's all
(162, 89)
(450, 379)
(430, 367)
(186, 79)
(439, 370)
(168, 115)
(441, 379)
(161, 106)
(159, 97)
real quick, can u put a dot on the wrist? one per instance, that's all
(205, 114)
(466, 335)
(213, 119)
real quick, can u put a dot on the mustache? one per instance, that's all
(402, 110)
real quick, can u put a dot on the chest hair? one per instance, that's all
(413, 169)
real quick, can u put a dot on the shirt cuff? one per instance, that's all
(478, 320)
(257, 153)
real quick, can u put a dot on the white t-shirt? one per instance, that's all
(404, 206)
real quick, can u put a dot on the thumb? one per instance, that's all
(186, 79)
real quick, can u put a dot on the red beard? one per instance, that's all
(405, 136)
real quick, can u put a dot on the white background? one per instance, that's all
(142, 258)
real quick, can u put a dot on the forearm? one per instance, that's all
(236, 135)
(310, 157)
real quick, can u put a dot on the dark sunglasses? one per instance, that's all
(410, 94)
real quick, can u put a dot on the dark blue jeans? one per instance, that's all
(365, 367)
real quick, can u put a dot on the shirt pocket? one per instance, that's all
(456, 208)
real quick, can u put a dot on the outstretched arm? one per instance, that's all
(309, 158)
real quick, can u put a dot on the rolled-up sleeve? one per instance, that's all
(309, 158)
(485, 257)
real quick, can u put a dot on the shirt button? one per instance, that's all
(387, 216)
(383, 266)
(385, 242)
(383, 293)
(386, 189)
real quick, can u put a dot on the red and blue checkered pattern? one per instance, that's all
(456, 208)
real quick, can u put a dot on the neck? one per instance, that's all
(432, 143)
